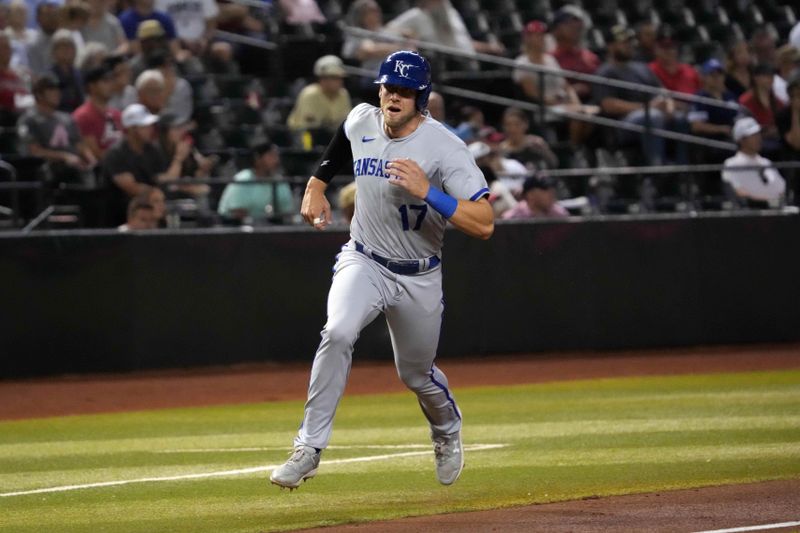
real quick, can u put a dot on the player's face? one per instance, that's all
(398, 105)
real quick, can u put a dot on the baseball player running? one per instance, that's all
(412, 177)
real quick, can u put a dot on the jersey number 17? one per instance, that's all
(421, 210)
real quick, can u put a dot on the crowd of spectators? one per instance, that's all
(105, 94)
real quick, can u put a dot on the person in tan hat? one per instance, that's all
(325, 103)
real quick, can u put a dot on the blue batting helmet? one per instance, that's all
(407, 69)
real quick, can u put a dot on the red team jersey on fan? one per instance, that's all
(104, 126)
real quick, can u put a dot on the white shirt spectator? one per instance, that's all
(443, 26)
(554, 86)
(189, 16)
(794, 36)
(765, 184)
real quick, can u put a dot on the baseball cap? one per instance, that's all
(150, 29)
(479, 149)
(566, 13)
(619, 33)
(98, 73)
(46, 81)
(745, 127)
(329, 66)
(534, 26)
(711, 65)
(137, 115)
(536, 182)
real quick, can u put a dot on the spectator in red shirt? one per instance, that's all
(100, 125)
(760, 101)
(567, 29)
(673, 74)
(11, 85)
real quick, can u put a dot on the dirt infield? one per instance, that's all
(693, 510)
(265, 382)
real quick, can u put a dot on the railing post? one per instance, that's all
(542, 109)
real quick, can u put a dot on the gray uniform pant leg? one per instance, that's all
(355, 299)
(415, 322)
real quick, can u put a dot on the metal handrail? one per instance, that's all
(590, 78)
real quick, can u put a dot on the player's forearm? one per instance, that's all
(476, 219)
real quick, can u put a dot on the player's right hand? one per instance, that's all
(316, 210)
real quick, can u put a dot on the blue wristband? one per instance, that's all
(441, 201)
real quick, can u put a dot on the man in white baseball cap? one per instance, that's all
(135, 163)
(756, 187)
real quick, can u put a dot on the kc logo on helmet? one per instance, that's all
(401, 68)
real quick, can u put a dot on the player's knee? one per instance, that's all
(340, 335)
(413, 378)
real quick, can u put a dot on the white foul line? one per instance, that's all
(227, 473)
(279, 448)
(752, 528)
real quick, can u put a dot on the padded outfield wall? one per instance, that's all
(105, 301)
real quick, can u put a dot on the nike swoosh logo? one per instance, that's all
(367, 139)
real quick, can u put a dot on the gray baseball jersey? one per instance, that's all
(389, 223)
(392, 222)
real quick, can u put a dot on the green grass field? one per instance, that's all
(559, 441)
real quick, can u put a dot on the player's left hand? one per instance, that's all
(407, 174)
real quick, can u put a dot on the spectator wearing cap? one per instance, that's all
(673, 75)
(104, 28)
(557, 92)
(140, 11)
(711, 121)
(46, 132)
(69, 77)
(135, 162)
(437, 21)
(270, 201)
(556, 89)
(500, 195)
(788, 67)
(758, 187)
(12, 87)
(325, 103)
(40, 57)
(761, 103)
(568, 27)
(123, 93)
(538, 201)
(99, 124)
(151, 41)
(508, 171)
(628, 105)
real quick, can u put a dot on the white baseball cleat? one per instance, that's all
(449, 452)
(302, 465)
